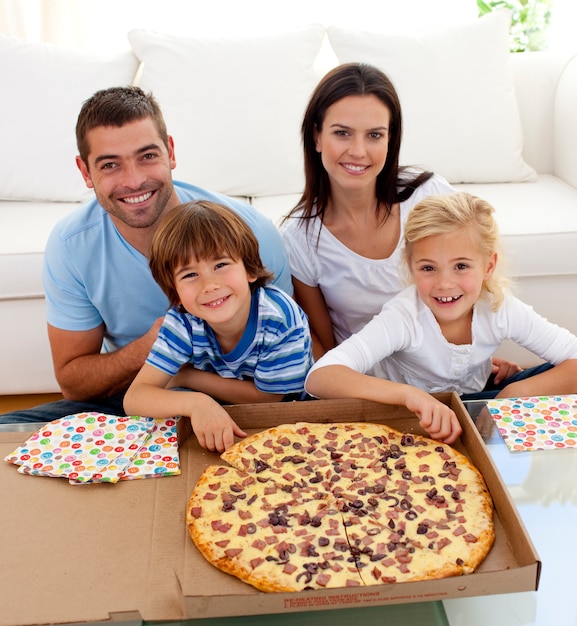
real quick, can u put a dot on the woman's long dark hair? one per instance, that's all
(393, 182)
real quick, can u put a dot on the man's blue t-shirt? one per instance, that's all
(91, 274)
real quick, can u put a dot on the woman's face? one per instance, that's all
(354, 142)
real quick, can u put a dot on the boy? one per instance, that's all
(239, 339)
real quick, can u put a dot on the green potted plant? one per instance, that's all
(529, 21)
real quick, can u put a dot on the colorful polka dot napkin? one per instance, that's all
(536, 423)
(159, 454)
(93, 447)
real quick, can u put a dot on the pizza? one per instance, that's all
(311, 506)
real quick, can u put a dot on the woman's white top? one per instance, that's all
(354, 287)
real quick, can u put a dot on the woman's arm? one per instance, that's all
(312, 302)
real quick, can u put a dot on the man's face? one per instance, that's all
(130, 170)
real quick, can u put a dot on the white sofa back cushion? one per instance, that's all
(460, 111)
(43, 88)
(233, 105)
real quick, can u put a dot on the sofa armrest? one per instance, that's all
(565, 125)
(536, 76)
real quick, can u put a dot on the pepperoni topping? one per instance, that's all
(196, 511)
(258, 544)
(220, 526)
(232, 552)
(460, 530)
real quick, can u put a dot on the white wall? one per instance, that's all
(562, 34)
(102, 24)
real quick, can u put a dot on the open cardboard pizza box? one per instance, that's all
(92, 553)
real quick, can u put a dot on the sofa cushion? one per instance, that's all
(460, 111)
(44, 86)
(233, 105)
(537, 222)
(23, 236)
(276, 207)
(538, 225)
(565, 128)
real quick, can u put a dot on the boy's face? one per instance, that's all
(215, 290)
(449, 272)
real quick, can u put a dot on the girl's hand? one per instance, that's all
(213, 426)
(436, 418)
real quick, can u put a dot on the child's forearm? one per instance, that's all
(233, 391)
(212, 425)
(338, 381)
(561, 379)
(150, 401)
(229, 390)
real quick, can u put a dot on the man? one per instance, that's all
(103, 307)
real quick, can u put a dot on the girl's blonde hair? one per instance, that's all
(439, 215)
(203, 230)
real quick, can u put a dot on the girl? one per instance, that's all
(343, 238)
(239, 339)
(440, 333)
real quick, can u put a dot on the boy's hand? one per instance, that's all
(436, 418)
(213, 426)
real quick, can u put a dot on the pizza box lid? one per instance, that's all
(102, 553)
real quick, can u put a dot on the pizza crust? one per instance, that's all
(310, 506)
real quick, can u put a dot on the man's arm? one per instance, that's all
(83, 372)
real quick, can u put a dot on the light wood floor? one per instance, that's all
(16, 402)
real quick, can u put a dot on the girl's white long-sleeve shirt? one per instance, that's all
(407, 339)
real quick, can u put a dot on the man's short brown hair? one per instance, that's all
(117, 106)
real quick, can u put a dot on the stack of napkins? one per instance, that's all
(94, 447)
(536, 423)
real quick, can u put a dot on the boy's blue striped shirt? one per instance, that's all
(275, 350)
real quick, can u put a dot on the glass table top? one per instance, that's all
(543, 485)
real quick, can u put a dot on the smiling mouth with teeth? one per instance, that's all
(355, 168)
(215, 302)
(137, 199)
(448, 298)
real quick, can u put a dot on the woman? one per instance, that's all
(344, 236)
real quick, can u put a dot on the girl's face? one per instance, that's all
(215, 290)
(449, 271)
(354, 141)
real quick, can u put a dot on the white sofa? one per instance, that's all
(502, 126)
